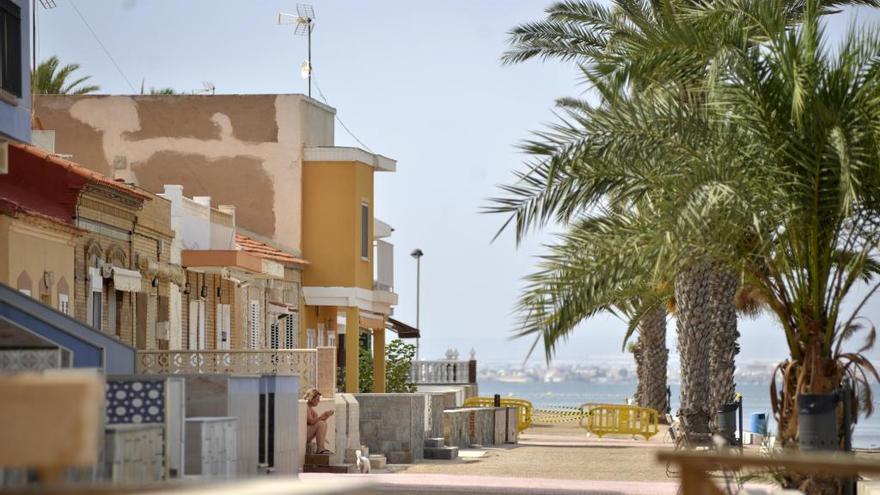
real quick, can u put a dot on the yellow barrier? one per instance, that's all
(525, 408)
(605, 419)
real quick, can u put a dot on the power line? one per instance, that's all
(321, 93)
(107, 52)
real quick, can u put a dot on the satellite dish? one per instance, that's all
(305, 70)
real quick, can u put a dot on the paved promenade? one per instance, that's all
(558, 459)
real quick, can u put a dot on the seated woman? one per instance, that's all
(316, 424)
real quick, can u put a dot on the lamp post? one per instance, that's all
(417, 254)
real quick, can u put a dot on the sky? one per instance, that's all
(420, 82)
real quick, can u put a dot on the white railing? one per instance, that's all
(440, 372)
(302, 362)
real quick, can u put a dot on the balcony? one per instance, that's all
(443, 372)
(302, 362)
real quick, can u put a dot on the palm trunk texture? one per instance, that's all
(695, 328)
(722, 358)
(652, 357)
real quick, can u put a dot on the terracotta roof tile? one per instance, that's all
(263, 250)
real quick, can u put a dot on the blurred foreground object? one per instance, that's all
(50, 422)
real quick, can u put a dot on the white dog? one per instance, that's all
(363, 462)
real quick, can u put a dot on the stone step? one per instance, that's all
(377, 461)
(447, 453)
(435, 443)
(333, 468)
(318, 459)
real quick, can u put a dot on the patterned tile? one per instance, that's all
(135, 401)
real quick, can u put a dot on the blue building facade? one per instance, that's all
(15, 70)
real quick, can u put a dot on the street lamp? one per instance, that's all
(417, 254)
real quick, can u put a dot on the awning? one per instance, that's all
(403, 330)
(126, 280)
(282, 308)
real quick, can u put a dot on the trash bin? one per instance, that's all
(817, 421)
(726, 420)
(758, 423)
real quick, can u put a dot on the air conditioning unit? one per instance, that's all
(4, 156)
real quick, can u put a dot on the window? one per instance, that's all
(254, 324)
(64, 303)
(291, 332)
(331, 339)
(10, 47)
(274, 335)
(222, 325)
(63, 297)
(365, 231)
(311, 338)
(95, 302)
(197, 325)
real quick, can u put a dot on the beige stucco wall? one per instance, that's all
(36, 250)
(243, 150)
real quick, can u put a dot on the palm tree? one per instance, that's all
(637, 47)
(652, 359)
(48, 79)
(775, 172)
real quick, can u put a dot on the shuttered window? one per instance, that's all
(365, 231)
(291, 333)
(254, 324)
(10, 47)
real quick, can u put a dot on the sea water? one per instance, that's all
(756, 398)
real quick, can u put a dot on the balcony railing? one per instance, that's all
(443, 372)
(302, 362)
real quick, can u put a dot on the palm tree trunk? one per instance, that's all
(651, 360)
(722, 358)
(694, 327)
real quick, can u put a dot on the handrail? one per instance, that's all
(524, 419)
(440, 372)
(302, 362)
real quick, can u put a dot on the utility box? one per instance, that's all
(211, 450)
(133, 453)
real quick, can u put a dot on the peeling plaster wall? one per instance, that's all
(242, 150)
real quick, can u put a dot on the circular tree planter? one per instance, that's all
(817, 421)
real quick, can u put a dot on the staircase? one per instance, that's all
(436, 448)
(320, 463)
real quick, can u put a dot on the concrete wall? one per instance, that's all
(212, 145)
(15, 113)
(435, 404)
(393, 425)
(348, 426)
(484, 426)
(287, 419)
(234, 396)
(461, 392)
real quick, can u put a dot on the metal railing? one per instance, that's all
(302, 362)
(443, 372)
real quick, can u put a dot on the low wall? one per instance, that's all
(435, 404)
(393, 425)
(348, 426)
(461, 392)
(484, 426)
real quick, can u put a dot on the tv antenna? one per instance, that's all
(304, 22)
(207, 87)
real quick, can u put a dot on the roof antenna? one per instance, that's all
(304, 20)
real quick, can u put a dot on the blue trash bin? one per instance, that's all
(758, 423)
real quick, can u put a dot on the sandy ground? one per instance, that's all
(561, 452)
